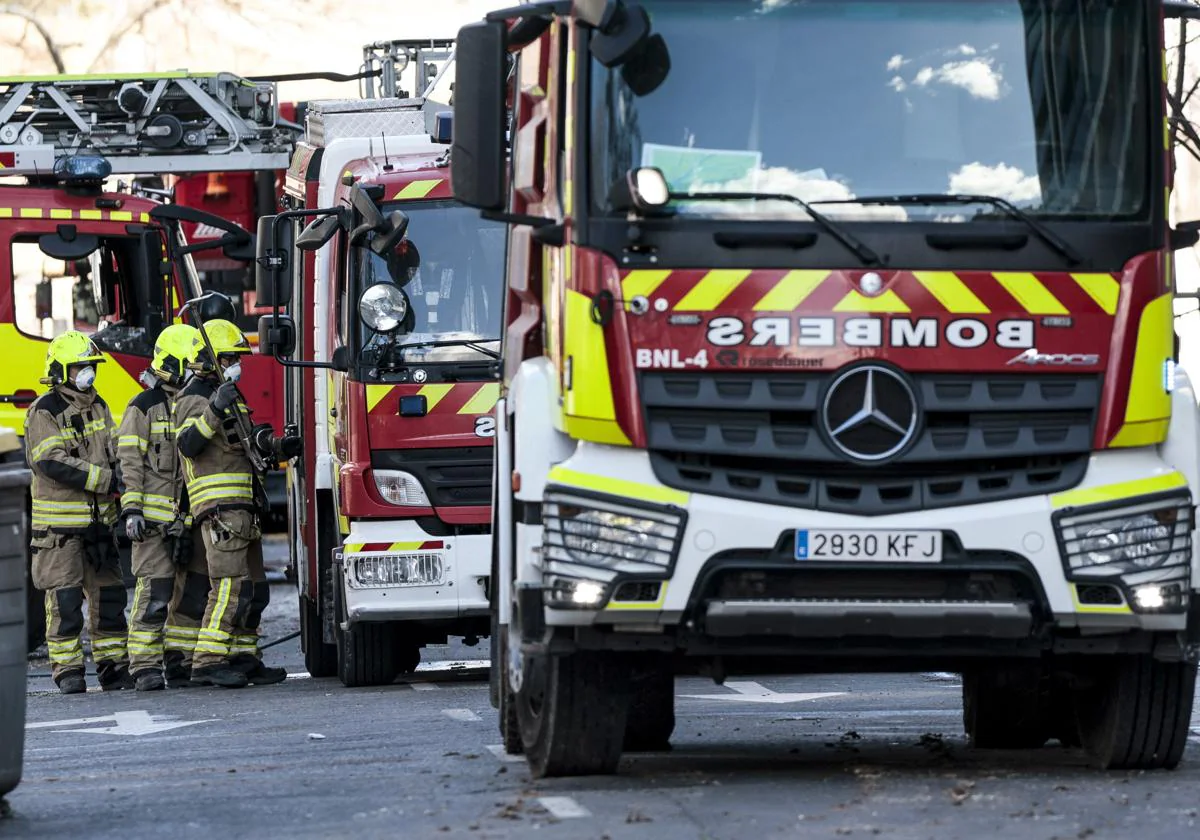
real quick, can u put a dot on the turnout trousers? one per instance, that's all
(61, 569)
(239, 593)
(185, 613)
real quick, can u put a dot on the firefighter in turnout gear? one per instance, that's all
(76, 482)
(156, 519)
(226, 500)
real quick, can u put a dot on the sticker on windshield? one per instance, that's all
(686, 167)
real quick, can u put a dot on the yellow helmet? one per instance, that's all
(225, 337)
(70, 348)
(172, 352)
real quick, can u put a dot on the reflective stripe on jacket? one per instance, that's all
(149, 461)
(215, 468)
(69, 441)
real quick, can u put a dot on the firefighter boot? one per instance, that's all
(256, 672)
(114, 676)
(221, 674)
(176, 670)
(71, 682)
(149, 680)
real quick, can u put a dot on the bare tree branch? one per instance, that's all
(29, 17)
(123, 29)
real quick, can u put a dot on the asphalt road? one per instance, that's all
(858, 756)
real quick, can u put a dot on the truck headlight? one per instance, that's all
(420, 569)
(400, 488)
(1146, 546)
(609, 533)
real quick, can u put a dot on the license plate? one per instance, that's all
(870, 546)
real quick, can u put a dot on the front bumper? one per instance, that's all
(732, 573)
(451, 573)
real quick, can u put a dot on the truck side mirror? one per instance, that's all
(341, 358)
(273, 259)
(477, 170)
(276, 337)
(385, 243)
(317, 233)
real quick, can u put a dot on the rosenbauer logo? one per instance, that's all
(961, 333)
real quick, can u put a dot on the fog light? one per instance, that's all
(1149, 597)
(587, 592)
(574, 593)
(426, 569)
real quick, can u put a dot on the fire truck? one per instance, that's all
(836, 365)
(76, 254)
(390, 304)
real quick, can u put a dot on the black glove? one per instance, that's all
(225, 396)
(291, 446)
(135, 525)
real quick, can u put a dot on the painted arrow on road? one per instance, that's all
(124, 723)
(752, 692)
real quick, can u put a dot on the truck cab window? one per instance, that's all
(96, 295)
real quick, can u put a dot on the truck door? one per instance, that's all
(116, 292)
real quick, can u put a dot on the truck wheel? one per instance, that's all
(510, 725)
(366, 655)
(572, 711)
(319, 658)
(1006, 708)
(1136, 714)
(651, 717)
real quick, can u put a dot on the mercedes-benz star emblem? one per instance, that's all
(870, 413)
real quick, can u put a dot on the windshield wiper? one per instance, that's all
(398, 349)
(1013, 211)
(860, 249)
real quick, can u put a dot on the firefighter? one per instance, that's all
(76, 483)
(156, 519)
(226, 500)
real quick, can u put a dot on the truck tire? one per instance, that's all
(1006, 708)
(320, 658)
(365, 652)
(1135, 715)
(366, 655)
(572, 711)
(651, 717)
(506, 703)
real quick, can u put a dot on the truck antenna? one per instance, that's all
(387, 164)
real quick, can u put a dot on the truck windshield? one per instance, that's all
(1044, 103)
(450, 269)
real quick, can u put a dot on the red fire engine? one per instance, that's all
(390, 506)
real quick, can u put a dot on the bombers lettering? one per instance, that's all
(868, 332)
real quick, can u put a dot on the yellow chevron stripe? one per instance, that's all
(434, 394)
(791, 291)
(1031, 294)
(951, 292)
(417, 189)
(713, 288)
(375, 395)
(889, 301)
(1103, 288)
(484, 399)
(642, 282)
(409, 546)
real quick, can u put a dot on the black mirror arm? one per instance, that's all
(289, 215)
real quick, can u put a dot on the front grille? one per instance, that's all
(883, 585)
(984, 438)
(456, 477)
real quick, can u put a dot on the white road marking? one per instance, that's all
(300, 675)
(752, 692)
(424, 686)
(564, 807)
(124, 723)
(454, 665)
(498, 751)
(460, 714)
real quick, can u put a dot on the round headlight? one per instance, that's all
(1101, 545)
(1147, 541)
(382, 307)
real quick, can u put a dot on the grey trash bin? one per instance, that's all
(14, 485)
